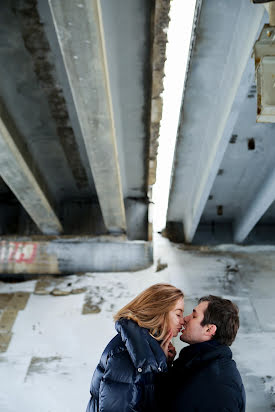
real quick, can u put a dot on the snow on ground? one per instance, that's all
(57, 339)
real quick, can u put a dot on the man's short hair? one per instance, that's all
(225, 315)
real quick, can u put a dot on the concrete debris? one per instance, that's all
(41, 292)
(161, 266)
(78, 290)
(92, 303)
(50, 285)
(58, 292)
(90, 309)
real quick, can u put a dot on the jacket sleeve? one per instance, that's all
(93, 405)
(94, 388)
(227, 399)
(120, 390)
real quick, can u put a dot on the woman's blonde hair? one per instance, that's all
(151, 307)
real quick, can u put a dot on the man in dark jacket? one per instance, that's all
(205, 377)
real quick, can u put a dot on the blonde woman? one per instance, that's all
(124, 379)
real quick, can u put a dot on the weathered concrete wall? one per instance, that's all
(69, 255)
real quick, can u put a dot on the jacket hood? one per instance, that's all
(144, 350)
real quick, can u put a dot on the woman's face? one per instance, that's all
(175, 317)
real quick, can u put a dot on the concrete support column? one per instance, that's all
(79, 30)
(255, 209)
(19, 175)
(271, 11)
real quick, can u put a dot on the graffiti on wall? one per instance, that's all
(17, 252)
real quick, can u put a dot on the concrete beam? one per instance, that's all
(80, 35)
(206, 110)
(74, 255)
(19, 175)
(255, 209)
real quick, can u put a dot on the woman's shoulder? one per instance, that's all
(115, 345)
(115, 341)
(144, 350)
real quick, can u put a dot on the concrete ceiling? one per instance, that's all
(80, 108)
(222, 188)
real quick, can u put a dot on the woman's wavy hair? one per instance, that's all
(151, 307)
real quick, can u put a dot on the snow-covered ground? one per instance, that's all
(61, 324)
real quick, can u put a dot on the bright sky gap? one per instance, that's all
(179, 33)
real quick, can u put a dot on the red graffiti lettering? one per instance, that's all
(12, 250)
(27, 254)
(19, 252)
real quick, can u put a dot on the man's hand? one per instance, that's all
(171, 353)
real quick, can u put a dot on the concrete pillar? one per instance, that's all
(80, 35)
(17, 171)
(255, 209)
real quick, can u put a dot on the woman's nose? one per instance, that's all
(186, 318)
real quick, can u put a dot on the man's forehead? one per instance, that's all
(200, 308)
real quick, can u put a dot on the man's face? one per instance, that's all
(193, 332)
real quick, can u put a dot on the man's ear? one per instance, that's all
(211, 330)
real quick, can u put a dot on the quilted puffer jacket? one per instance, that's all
(125, 378)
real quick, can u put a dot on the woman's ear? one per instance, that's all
(211, 330)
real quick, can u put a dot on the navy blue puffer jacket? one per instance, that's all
(124, 379)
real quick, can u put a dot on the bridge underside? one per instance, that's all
(80, 108)
(222, 188)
